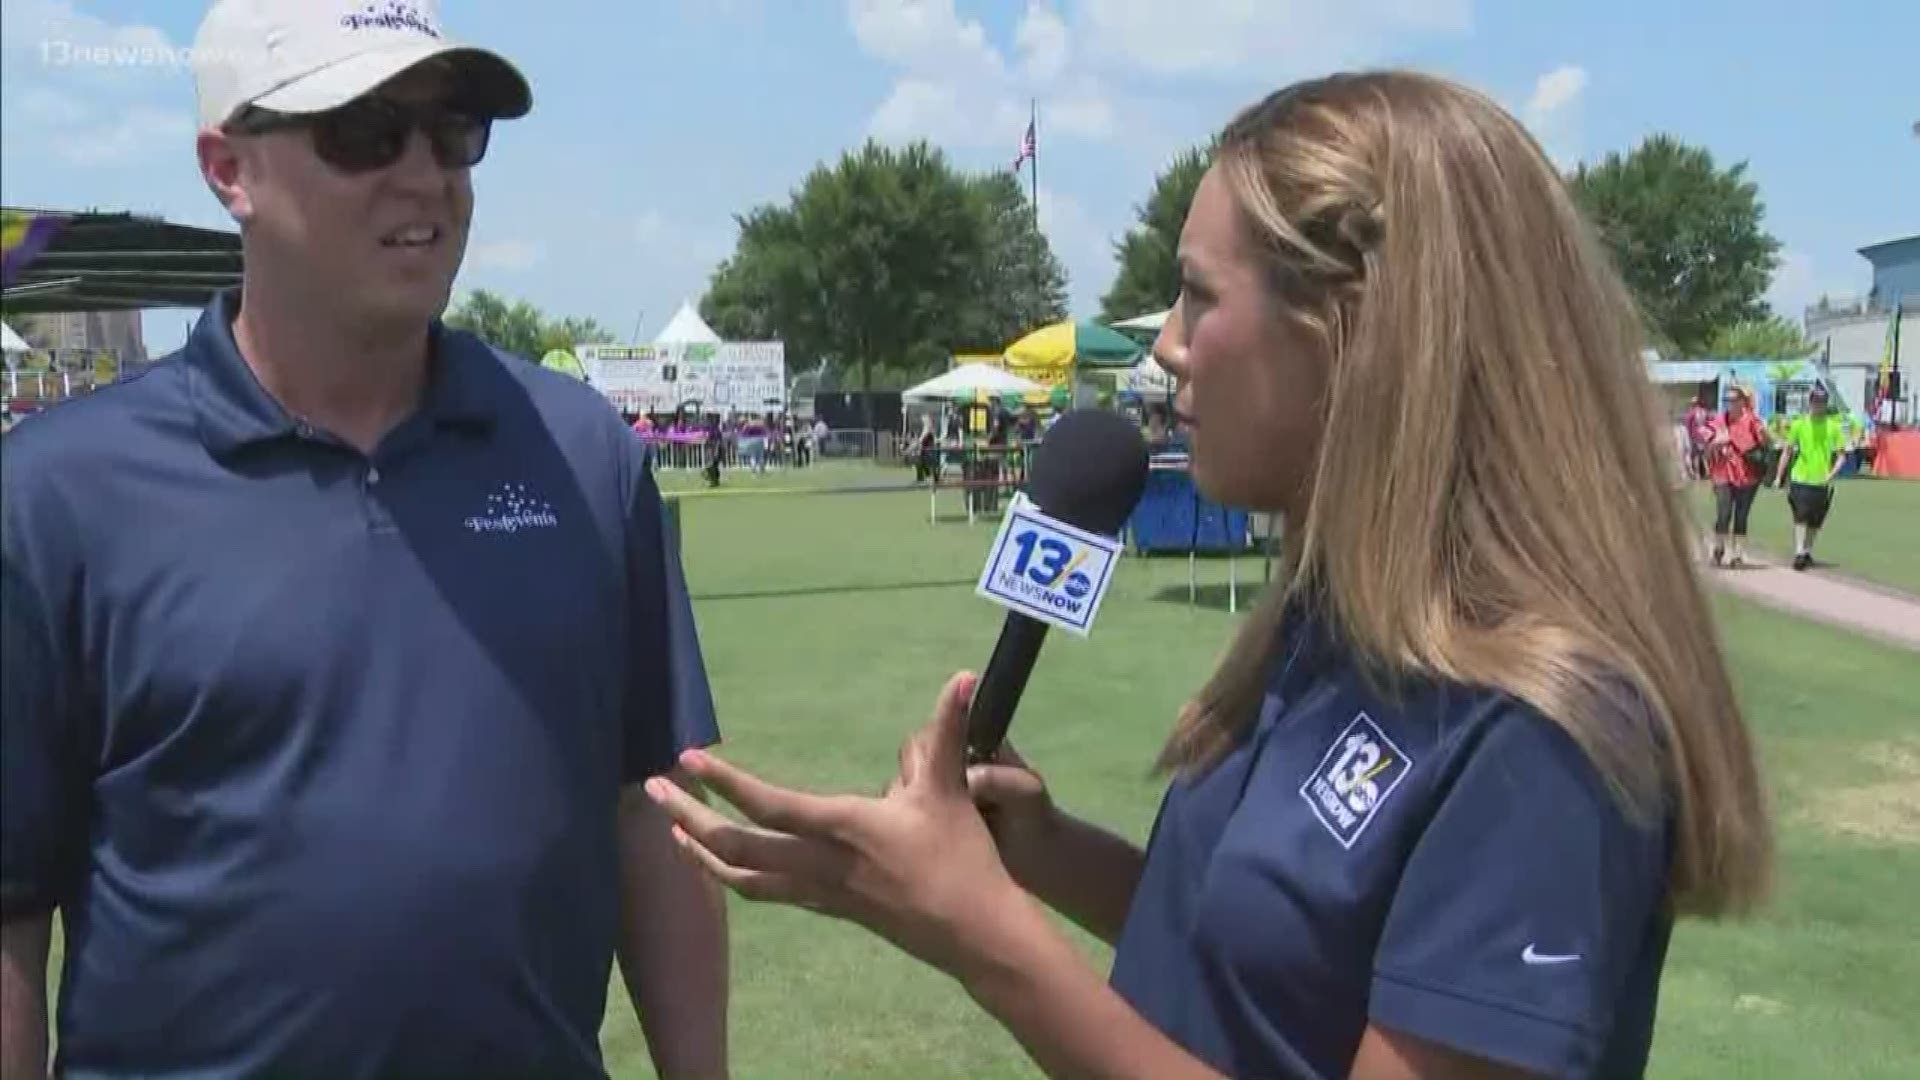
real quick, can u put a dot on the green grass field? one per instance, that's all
(1873, 531)
(831, 621)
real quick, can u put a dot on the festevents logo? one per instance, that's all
(511, 509)
(391, 15)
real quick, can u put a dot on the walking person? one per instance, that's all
(1815, 450)
(1737, 450)
(331, 682)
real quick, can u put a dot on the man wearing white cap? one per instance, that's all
(331, 683)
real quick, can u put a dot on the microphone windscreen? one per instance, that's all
(1090, 470)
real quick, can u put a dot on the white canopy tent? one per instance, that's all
(969, 381)
(687, 328)
(1145, 322)
(11, 342)
(1146, 378)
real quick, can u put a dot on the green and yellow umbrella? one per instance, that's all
(564, 362)
(1064, 344)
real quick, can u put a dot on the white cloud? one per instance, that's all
(79, 132)
(32, 25)
(45, 105)
(52, 39)
(1556, 90)
(1281, 39)
(76, 86)
(1042, 36)
(955, 87)
(921, 35)
(1799, 283)
(1553, 112)
(1087, 113)
(133, 134)
(505, 255)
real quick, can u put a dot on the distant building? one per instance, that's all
(1852, 333)
(73, 334)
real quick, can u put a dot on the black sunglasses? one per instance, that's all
(371, 132)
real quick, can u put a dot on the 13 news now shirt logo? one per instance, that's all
(1356, 775)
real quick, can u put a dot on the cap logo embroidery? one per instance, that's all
(390, 15)
(1355, 776)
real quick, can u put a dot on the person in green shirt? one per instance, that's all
(1816, 447)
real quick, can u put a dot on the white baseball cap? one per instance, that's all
(305, 56)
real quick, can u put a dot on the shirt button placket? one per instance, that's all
(377, 517)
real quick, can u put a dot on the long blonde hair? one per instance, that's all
(1492, 507)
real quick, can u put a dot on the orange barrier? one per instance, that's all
(1897, 454)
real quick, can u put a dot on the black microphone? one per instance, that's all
(1088, 472)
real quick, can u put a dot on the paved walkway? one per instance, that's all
(1883, 612)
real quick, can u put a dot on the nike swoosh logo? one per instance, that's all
(1534, 957)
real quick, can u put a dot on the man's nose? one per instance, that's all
(417, 168)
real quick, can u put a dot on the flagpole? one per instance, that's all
(1039, 267)
(1033, 125)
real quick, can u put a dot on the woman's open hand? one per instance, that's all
(918, 865)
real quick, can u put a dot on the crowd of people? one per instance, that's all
(714, 443)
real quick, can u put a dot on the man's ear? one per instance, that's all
(220, 166)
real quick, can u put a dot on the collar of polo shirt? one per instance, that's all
(234, 411)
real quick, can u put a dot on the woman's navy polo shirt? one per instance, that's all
(319, 752)
(1447, 864)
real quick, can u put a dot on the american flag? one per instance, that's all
(1027, 148)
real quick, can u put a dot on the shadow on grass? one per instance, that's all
(833, 590)
(1212, 595)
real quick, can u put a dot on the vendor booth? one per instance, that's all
(986, 468)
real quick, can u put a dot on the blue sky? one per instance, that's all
(656, 121)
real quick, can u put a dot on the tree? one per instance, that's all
(519, 327)
(1771, 338)
(1020, 284)
(1685, 234)
(1149, 276)
(888, 260)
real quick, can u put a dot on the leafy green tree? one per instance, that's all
(1020, 284)
(1149, 276)
(1771, 338)
(886, 262)
(1687, 236)
(519, 327)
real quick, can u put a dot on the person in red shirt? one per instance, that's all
(1736, 460)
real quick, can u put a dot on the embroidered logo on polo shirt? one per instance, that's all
(511, 509)
(1354, 778)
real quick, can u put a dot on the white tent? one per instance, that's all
(968, 381)
(11, 342)
(1146, 378)
(1145, 322)
(687, 328)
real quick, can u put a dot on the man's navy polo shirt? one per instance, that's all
(320, 753)
(1447, 864)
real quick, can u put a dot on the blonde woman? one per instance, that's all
(1436, 810)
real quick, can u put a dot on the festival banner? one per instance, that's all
(731, 377)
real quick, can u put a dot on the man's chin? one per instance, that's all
(406, 307)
